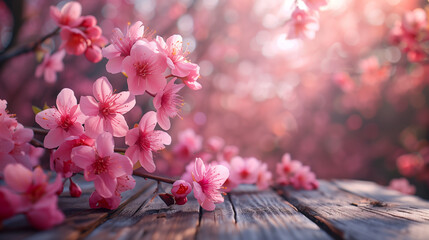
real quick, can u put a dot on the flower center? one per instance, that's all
(100, 165)
(142, 69)
(182, 189)
(66, 122)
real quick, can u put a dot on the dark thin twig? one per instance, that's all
(36, 143)
(154, 177)
(28, 48)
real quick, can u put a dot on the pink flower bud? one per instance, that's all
(74, 189)
(181, 201)
(181, 189)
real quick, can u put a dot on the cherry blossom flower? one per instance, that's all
(207, 183)
(303, 24)
(69, 15)
(121, 46)
(73, 40)
(189, 144)
(63, 121)
(244, 170)
(51, 65)
(191, 79)
(176, 58)
(33, 194)
(304, 179)
(102, 165)
(229, 152)
(264, 178)
(143, 140)
(145, 68)
(168, 103)
(61, 161)
(180, 190)
(125, 183)
(402, 185)
(105, 111)
(287, 169)
(215, 144)
(315, 4)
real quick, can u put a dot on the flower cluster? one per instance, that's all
(292, 172)
(304, 21)
(402, 185)
(411, 34)
(15, 140)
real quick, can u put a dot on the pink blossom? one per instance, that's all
(180, 190)
(105, 111)
(125, 183)
(93, 51)
(207, 183)
(402, 185)
(244, 170)
(303, 24)
(74, 40)
(229, 152)
(176, 58)
(304, 179)
(61, 158)
(191, 79)
(51, 65)
(101, 164)
(69, 15)
(75, 190)
(264, 179)
(143, 140)
(287, 169)
(215, 144)
(315, 4)
(189, 143)
(33, 194)
(229, 184)
(168, 103)
(121, 46)
(145, 68)
(63, 121)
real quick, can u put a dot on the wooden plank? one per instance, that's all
(265, 215)
(80, 219)
(349, 216)
(152, 220)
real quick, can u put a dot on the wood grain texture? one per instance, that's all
(349, 216)
(265, 215)
(80, 218)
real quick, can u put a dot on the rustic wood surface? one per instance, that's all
(340, 209)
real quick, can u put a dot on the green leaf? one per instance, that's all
(36, 110)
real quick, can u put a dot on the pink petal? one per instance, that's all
(94, 126)
(50, 76)
(102, 89)
(146, 160)
(119, 125)
(55, 14)
(148, 122)
(110, 52)
(198, 192)
(163, 119)
(199, 170)
(75, 130)
(114, 65)
(45, 218)
(105, 185)
(132, 136)
(218, 175)
(133, 153)
(164, 137)
(54, 138)
(17, 177)
(120, 165)
(71, 10)
(126, 102)
(65, 100)
(207, 204)
(89, 106)
(183, 69)
(156, 83)
(93, 53)
(125, 183)
(136, 84)
(6, 145)
(23, 135)
(104, 144)
(48, 118)
(83, 156)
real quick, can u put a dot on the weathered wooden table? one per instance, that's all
(340, 209)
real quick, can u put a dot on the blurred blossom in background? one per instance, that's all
(350, 103)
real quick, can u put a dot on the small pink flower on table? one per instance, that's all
(207, 183)
(287, 169)
(144, 139)
(69, 15)
(303, 24)
(105, 110)
(33, 195)
(304, 179)
(180, 190)
(168, 104)
(102, 165)
(244, 170)
(51, 65)
(189, 143)
(63, 121)
(121, 46)
(264, 179)
(402, 185)
(145, 68)
(125, 183)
